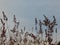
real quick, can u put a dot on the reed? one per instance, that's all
(27, 38)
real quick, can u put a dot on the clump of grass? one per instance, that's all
(23, 36)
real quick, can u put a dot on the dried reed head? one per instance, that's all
(4, 16)
(36, 21)
(14, 19)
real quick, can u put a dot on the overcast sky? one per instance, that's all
(27, 10)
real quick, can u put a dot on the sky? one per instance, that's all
(27, 10)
